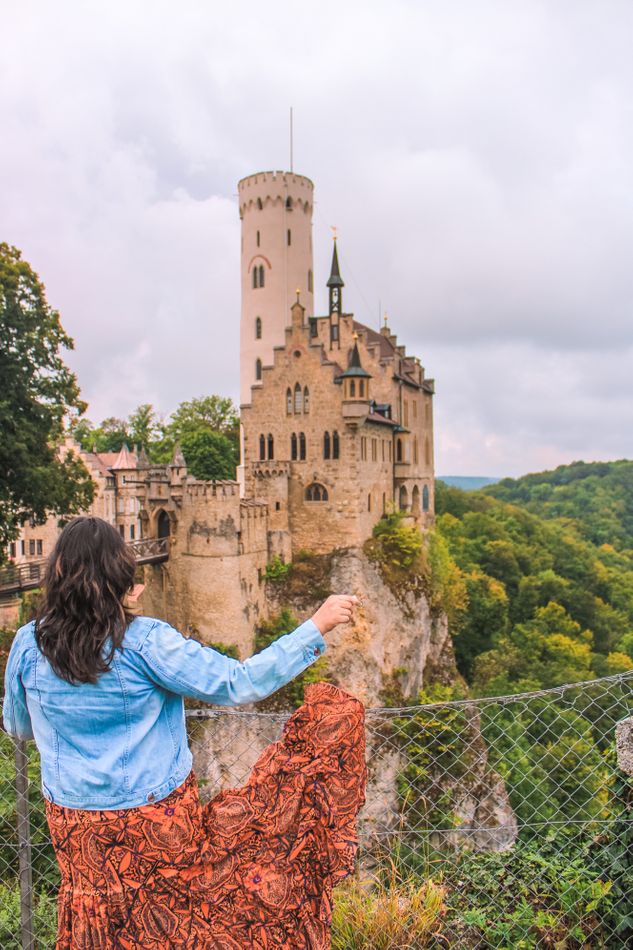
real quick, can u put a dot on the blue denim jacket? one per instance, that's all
(122, 742)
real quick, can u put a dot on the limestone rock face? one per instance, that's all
(387, 634)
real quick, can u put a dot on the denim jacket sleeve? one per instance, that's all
(15, 713)
(186, 667)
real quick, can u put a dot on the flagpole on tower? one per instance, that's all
(291, 143)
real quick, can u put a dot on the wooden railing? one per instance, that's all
(30, 574)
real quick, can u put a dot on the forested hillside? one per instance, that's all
(550, 594)
(597, 496)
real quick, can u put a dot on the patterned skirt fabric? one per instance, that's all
(254, 868)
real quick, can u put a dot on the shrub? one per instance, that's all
(396, 914)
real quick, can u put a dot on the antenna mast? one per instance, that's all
(291, 157)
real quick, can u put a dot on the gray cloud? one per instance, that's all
(476, 157)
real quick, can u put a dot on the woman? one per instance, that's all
(143, 865)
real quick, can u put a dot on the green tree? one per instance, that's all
(37, 392)
(209, 455)
(143, 426)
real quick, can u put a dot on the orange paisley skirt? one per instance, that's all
(254, 868)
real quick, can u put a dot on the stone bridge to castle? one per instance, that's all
(16, 578)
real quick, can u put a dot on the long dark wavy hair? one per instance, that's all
(82, 619)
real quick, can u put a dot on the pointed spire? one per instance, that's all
(178, 459)
(354, 367)
(335, 279)
(125, 459)
(142, 457)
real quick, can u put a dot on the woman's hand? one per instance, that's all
(336, 609)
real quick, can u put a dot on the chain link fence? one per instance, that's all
(493, 823)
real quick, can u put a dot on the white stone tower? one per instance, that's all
(276, 215)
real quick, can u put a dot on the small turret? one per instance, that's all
(355, 379)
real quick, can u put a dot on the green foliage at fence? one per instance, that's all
(45, 873)
(290, 695)
(44, 919)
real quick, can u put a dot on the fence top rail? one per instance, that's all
(554, 692)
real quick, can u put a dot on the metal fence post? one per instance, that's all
(24, 845)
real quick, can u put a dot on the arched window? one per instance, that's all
(326, 445)
(361, 388)
(306, 399)
(310, 282)
(261, 275)
(427, 451)
(399, 450)
(302, 445)
(289, 401)
(258, 239)
(289, 237)
(298, 398)
(352, 388)
(258, 369)
(258, 328)
(262, 447)
(425, 498)
(316, 492)
(255, 277)
(404, 498)
(415, 500)
(162, 524)
(293, 446)
(288, 203)
(259, 204)
(271, 446)
(335, 446)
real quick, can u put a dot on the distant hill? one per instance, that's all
(597, 496)
(467, 482)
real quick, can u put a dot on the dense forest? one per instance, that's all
(547, 563)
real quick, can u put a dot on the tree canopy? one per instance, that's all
(37, 392)
(205, 428)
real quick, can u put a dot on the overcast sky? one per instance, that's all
(475, 155)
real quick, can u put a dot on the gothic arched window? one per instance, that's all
(271, 446)
(352, 388)
(316, 492)
(335, 445)
(258, 328)
(302, 445)
(262, 447)
(289, 400)
(258, 369)
(255, 277)
(425, 498)
(404, 498)
(326, 445)
(306, 399)
(361, 388)
(261, 275)
(399, 450)
(293, 446)
(298, 398)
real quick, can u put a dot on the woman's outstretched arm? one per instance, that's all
(187, 667)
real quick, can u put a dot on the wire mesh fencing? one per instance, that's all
(501, 823)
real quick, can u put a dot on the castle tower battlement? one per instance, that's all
(276, 261)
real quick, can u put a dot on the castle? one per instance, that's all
(336, 427)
